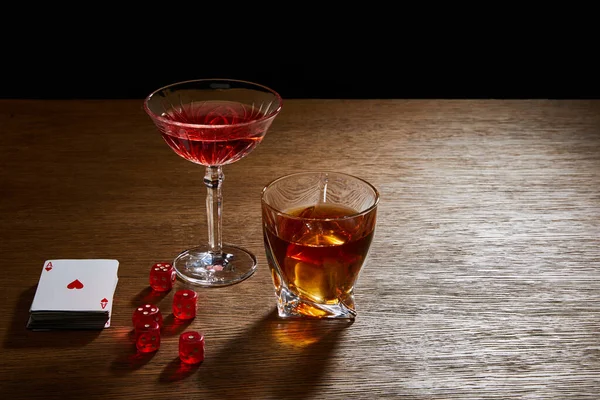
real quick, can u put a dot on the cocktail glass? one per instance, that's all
(213, 122)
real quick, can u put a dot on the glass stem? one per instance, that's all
(214, 203)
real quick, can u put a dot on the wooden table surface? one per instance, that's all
(483, 279)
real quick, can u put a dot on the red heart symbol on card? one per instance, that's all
(76, 284)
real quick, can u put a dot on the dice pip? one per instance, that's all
(162, 277)
(185, 304)
(147, 337)
(146, 314)
(191, 347)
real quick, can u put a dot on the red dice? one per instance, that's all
(147, 337)
(191, 347)
(146, 314)
(185, 304)
(162, 277)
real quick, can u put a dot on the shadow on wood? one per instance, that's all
(18, 336)
(304, 345)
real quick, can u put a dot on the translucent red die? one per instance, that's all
(147, 337)
(191, 347)
(147, 313)
(185, 304)
(162, 277)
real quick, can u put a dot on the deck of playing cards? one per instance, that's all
(74, 294)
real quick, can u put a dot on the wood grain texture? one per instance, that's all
(483, 280)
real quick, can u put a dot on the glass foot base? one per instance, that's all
(290, 305)
(199, 267)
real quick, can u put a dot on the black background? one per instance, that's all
(117, 76)
(58, 61)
